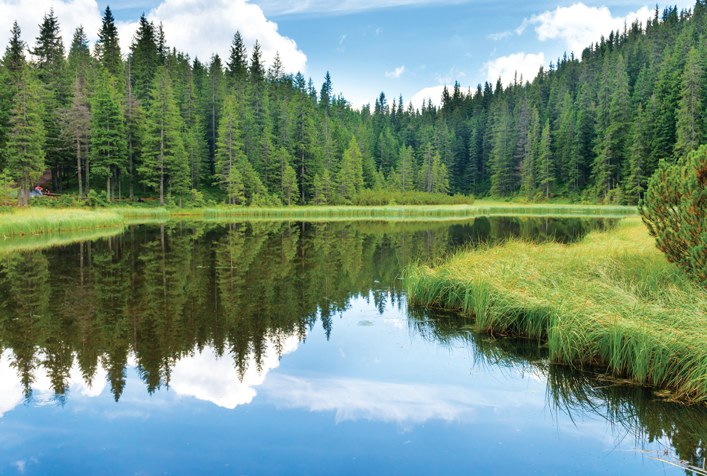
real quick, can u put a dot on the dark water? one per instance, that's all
(276, 347)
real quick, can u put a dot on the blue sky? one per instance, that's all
(408, 47)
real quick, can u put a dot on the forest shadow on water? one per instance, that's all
(153, 296)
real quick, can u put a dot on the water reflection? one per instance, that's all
(162, 292)
(631, 412)
(208, 310)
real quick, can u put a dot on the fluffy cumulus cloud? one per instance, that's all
(195, 27)
(208, 377)
(395, 74)
(202, 28)
(28, 13)
(506, 67)
(433, 93)
(579, 25)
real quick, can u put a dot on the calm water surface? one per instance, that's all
(276, 347)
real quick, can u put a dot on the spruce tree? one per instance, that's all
(50, 65)
(25, 142)
(164, 160)
(107, 48)
(229, 152)
(145, 59)
(108, 146)
(690, 112)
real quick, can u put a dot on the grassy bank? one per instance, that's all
(38, 221)
(46, 220)
(611, 299)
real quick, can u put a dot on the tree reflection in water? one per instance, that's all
(160, 293)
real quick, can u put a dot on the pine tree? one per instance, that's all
(289, 185)
(229, 154)
(638, 155)
(108, 147)
(237, 64)
(76, 126)
(107, 47)
(145, 59)
(25, 143)
(13, 64)
(406, 169)
(163, 155)
(351, 172)
(50, 64)
(545, 171)
(79, 58)
(690, 112)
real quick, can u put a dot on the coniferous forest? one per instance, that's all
(154, 121)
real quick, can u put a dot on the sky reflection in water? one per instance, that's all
(288, 348)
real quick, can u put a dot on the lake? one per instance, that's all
(288, 347)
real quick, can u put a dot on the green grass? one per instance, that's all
(610, 300)
(50, 220)
(37, 221)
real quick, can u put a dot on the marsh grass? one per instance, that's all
(610, 300)
(39, 221)
(47, 220)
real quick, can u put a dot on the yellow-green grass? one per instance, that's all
(36, 221)
(610, 300)
(46, 220)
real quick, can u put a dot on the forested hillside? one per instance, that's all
(154, 119)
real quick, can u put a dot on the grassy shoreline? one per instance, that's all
(610, 300)
(46, 220)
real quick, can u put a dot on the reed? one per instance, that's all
(611, 300)
(37, 221)
(50, 220)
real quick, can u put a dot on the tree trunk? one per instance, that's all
(78, 165)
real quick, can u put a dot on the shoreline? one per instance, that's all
(610, 300)
(32, 221)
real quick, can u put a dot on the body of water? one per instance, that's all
(288, 348)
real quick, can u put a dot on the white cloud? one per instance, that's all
(195, 27)
(202, 28)
(405, 404)
(506, 67)
(287, 7)
(395, 74)
(499, 36)
(579, 25)
(29, 14)
(434, 93)
(207, 377)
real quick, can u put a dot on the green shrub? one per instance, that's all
(386, 197)
(94, 199)
(675, 209)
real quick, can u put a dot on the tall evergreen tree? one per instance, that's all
(108, 147)
(25, 143)
(690, 112)
(164, 160)
(107, 46)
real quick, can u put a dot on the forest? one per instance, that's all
(152, 120)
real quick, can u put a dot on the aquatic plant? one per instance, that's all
(610, 300)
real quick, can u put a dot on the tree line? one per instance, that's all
(152, 119)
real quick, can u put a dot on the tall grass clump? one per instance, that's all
(37, 220)
(610, 300)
